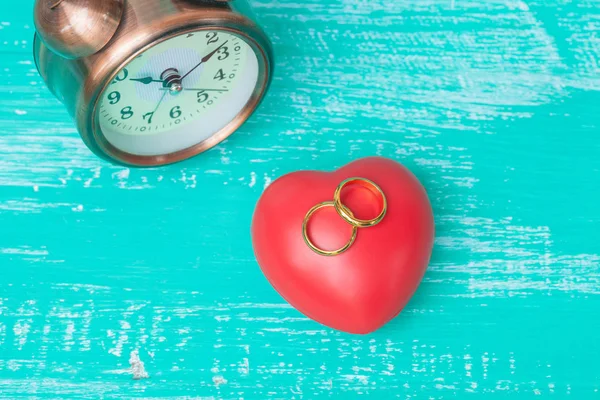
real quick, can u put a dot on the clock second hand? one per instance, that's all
(158, 105)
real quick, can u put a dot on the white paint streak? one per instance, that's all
(219, 380)
(137, 366)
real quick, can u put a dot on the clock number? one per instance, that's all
(121, 76)
(220, 75)
(223, 53)
(175, 112)
(126, 113)
(212, 37)
(114, 97)
(202, 97)
(149, 115)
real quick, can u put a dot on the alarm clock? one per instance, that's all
(152, 82)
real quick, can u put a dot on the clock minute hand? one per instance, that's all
(205, 59)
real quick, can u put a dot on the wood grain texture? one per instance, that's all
(109, 274)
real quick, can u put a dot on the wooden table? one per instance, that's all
(494, 105)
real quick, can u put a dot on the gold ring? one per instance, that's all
(345, 212)
(312, 246)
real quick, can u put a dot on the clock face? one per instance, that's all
(179, 93)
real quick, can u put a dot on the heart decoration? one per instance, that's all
(366, 286)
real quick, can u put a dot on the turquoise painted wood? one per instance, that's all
(109, 274)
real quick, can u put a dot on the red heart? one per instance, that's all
(362, 289)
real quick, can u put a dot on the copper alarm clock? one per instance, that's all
(152, 82)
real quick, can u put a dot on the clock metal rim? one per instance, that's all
(265, 73)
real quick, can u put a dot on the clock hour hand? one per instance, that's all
(205, 59)
(146, 81)
(201, 90)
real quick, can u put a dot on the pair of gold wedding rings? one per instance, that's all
(346, 215)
